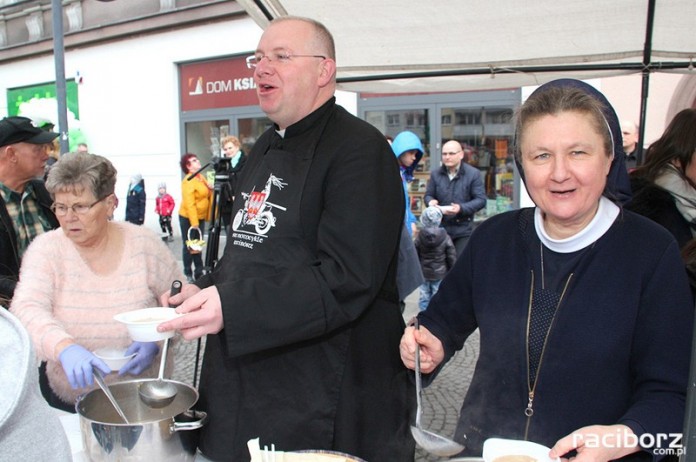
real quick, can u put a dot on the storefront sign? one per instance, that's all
(217, 84)
(25, 99)
(39, 103)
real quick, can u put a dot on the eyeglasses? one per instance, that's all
(450, 153)
(280, 57)
(78, 209)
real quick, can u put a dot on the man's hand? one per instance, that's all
(597, 443)
(202, 311)
(453, 209)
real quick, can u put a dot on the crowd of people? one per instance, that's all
(303, 318)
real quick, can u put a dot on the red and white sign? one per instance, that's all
(217, 84)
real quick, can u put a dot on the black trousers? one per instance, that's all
(196, 259)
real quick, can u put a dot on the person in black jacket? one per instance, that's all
(302, 313)
(25, 205)
(436, 253)
(664, 188)
(574, 355)
(136, 199)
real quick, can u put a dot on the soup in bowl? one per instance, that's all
(142, 324)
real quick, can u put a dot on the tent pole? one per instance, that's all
(643, 116)
(647, 56)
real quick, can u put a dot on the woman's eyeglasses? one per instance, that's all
(78, 209)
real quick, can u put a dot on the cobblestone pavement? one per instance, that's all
(441, 400)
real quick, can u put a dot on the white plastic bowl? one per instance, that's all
(493, 448)
(142, 324)
(115, 358)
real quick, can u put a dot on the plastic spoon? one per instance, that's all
(431, 442)
(99, 378)
(159, 393)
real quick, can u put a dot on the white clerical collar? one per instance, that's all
(281, 132)
(600, 224)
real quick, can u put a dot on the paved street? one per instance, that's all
(441, 400)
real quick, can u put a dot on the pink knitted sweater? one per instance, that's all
(58, 296)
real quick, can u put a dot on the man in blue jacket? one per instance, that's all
(456, 187)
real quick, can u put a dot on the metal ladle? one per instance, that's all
(431, 442)
(159, 393)
(99, 378)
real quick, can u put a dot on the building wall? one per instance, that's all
(624, 93)
(128, 98)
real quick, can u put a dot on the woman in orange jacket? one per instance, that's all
(193, 212)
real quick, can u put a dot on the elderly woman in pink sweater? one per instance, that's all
(73, 280)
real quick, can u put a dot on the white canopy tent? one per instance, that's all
(397, 46)
(389, 46)
(408, 46)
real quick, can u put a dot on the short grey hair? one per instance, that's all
(322, 35)
(76, 172)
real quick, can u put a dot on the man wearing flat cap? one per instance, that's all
(25, 205)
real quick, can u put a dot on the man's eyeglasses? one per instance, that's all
(78, 209)
(280, 57)
(450, 153)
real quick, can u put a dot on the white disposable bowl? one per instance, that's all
(494, 448)
(115, 358)
(142, 324)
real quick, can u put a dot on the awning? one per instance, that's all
(390, 46)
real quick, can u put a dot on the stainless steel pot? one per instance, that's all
(166, 433)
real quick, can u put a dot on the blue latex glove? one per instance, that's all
(77, 363)
(145, 352)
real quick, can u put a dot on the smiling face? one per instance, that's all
(84, 229)
(566, 164)
(230, 149)
(291, 89)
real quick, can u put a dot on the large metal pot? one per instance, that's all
(166, 433)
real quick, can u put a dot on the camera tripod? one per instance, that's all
(221, 190)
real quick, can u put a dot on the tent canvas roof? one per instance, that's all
(396, 46)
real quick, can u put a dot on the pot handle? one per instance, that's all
(193, 425)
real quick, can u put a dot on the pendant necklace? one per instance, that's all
(542, 309)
